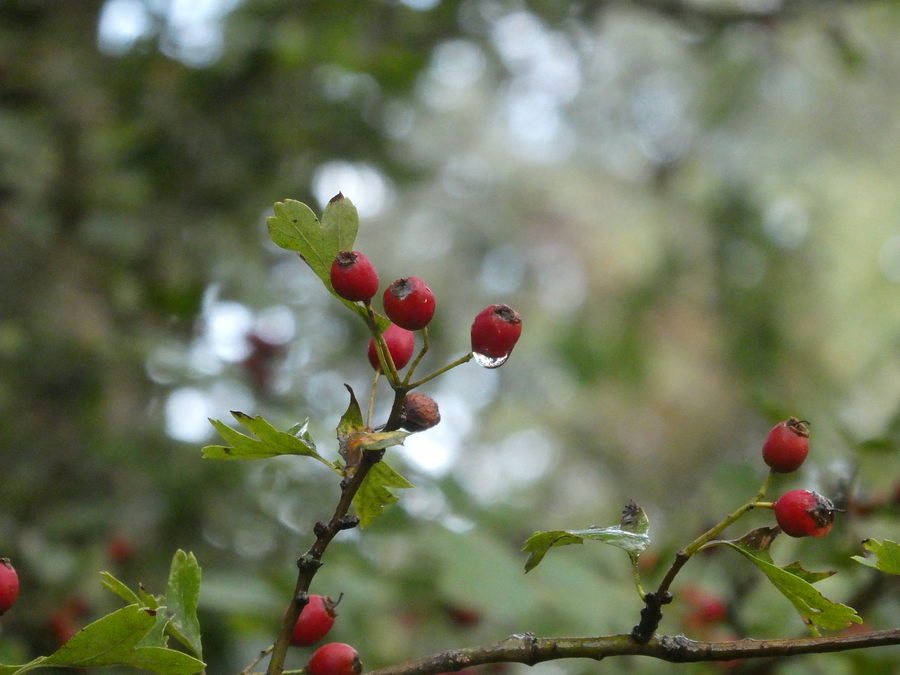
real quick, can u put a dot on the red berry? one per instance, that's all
(409, 303)
(400, 342)
(801, 513)
(315, 621)
(9, 585)
(786, 446)
(120, 549)
(495, 332)
(354, 277)
(335, 658)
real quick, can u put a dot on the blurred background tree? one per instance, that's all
(693, 205)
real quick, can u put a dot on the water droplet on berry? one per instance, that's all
(489, 361)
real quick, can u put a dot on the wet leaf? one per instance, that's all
(630, 535)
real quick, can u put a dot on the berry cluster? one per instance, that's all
(315, 621)
(799, 513)
(410, 304)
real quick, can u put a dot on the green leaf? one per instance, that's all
(340, 217)
(164, 661)
(352, 420)
(271, 443)
(114, 640)
(630, 535)
(296, 228)
(884, 557)
(373, 495)
(156, 637)
(24, 668)
(106, 642)
(351, 423)
(149, 600)
(812, 605)
(798, 570)
(182, 598)
(111, 583)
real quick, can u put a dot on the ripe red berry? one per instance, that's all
(315, 621)
(420, 412)
(400, 342)
(409, 303)
(9, 585)
(354, 277)
(495, 332)
(786, 446)
(801, 513)
(335, 658)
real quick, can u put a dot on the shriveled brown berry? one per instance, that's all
(420, 412)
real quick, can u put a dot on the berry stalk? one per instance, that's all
(426, 343)
(450, 366)
(384, 354)
(651, 615)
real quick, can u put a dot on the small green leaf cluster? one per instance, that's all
(137, 635)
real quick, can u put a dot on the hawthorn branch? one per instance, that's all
(527, 649)
(310, 562)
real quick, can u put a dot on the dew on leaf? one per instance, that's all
(489, 361)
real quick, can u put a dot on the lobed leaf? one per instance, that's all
(373, 495)
(182, 599)
(341, 218)
(270, 441)
(884, 557)
(295, 227)
(793, 582)
(105, 642)
(630, 535)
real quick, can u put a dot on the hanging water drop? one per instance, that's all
(489, 361)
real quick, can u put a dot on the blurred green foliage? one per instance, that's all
(693, 206)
